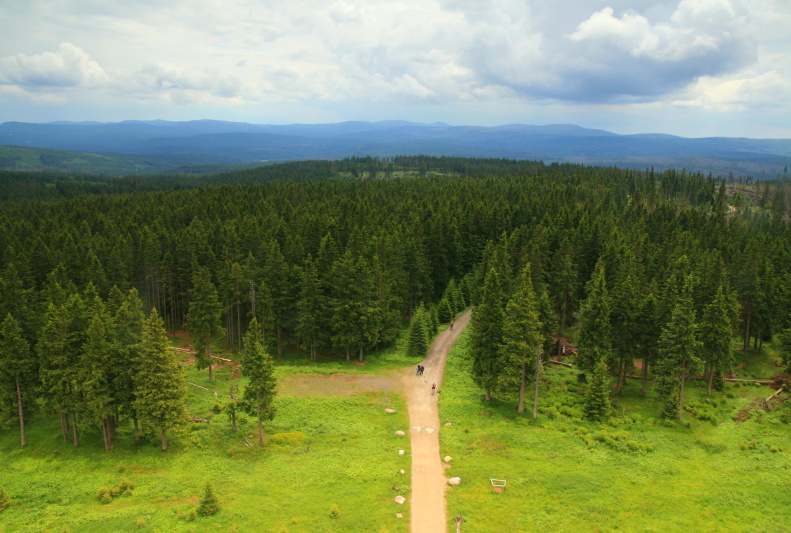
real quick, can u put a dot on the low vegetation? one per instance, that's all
(632, 472)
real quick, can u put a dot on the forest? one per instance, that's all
(666, 278)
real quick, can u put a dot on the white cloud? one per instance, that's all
(69, 66)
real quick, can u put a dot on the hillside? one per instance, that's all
(158, 146)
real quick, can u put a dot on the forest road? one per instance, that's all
(428, 507)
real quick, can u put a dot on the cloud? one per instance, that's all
(70, 66)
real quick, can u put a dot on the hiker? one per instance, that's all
(417, 371)
(433, 387)
(422, 368)
(451, 323)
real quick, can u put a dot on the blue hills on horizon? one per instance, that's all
(226, 143)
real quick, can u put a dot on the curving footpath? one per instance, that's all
(428, 508)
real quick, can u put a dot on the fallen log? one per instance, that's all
(196, 385)
(203, 420)
(221, 358)
(561, 363)
(778, 391)
(182, 350)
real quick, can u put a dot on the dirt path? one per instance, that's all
(428, 476)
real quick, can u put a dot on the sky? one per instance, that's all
(694, 68)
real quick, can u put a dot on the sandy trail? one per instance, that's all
(429, 513)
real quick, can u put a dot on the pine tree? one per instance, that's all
(204, 317)
(487, 334)
(159, 384)
(522, 338)
(209, 505)
(259, 395)
(311, 306)
(96, 365)
(18, 371)
(678, 353)
(597, 397)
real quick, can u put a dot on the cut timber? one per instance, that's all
(561, 363)
(221, 358)
(778, 391)
(183, 350)
(196, 385)
(203, 420)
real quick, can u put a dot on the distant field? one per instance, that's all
(722, 476)
(321, 451)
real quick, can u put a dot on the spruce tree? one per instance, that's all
(209, 505)
(487, 334)
(159, 384)
(259, 395)
(679, 350)
(522, 338)
(716, 329)
(311, 306)
(597, 397)
(418, 336)
(595, 332)
(204, 318)
(18, 371)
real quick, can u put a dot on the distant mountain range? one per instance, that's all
(158, 146)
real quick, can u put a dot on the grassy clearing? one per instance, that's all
(320, 452)
(633, 473)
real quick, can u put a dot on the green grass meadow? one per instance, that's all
(320, 452)
(632, 473)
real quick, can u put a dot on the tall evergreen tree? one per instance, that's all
(259, 395)
(679, 350)
(418, 335)
(204, 318)
(595, 331)
(597, 397)
(160, 385)
(716, 330)
(18, 371)
(311, 306)
(487, 334)
(522, 338)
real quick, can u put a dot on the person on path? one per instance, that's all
(422, 368)
(451, 324)
(433, 387)
(417, 370)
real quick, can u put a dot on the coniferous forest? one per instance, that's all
(664, 278)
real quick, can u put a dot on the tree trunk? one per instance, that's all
(747, 337)
(208, 356)
(137, 430)
(711, 379)
(105, 435)
(63, 425)
(538, 382)
(488, 394)
(164, 440)
(621, 378)
(279, 341)
(348, 354)
(521, 407)
(233, 421)
(74, 428)
(645, 373)
(681, 392)
(21, 414)
(260, 423)
(361, 354)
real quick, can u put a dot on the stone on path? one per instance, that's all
(402, 472)
(448, 423)
(454, 481)
(417, 428)
(448, 458)
(389, 411)
(399, 515)
(400, 452)
(400, 433)
(429, 430)
(400, 500)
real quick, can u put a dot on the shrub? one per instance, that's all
(104, 495)
(334, 512)
(5, 499)
(141, 523)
